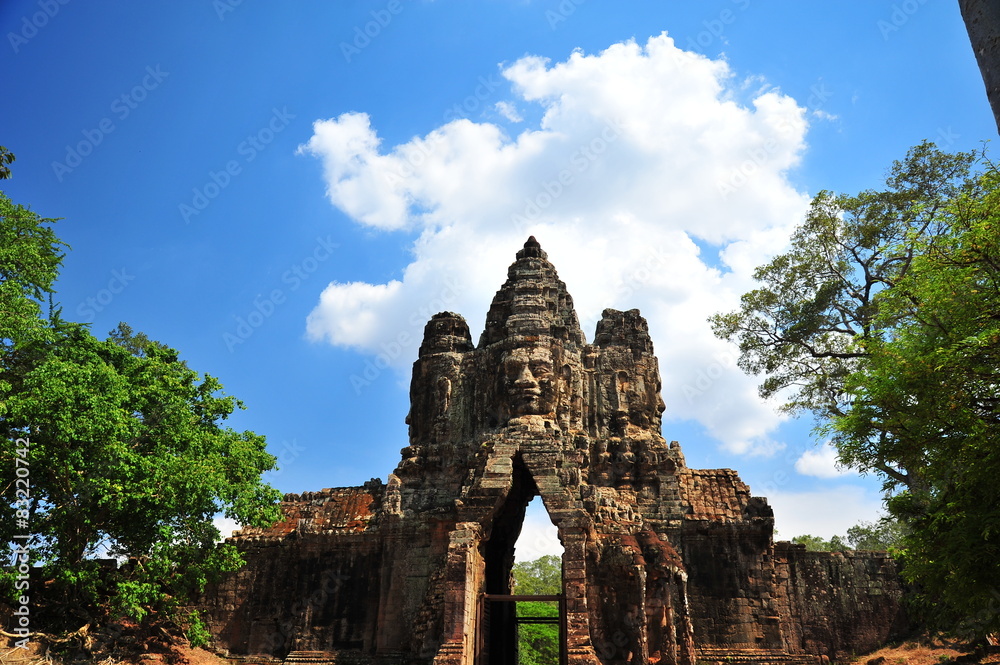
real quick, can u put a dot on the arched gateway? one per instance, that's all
(662, 563)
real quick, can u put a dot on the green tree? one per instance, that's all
(30, 256)
(6, 158)
(928, 400)
(882, 320)
(538, 644)
(806, 326)
(883, 535)
(818, 544)
(540, 577)
(125, 451)
(812, 543)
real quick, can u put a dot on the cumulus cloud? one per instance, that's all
(821, 463)
(509, 111)
(654, 179)
(225, 525)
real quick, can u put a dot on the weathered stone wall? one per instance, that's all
(837, 603)
(662, 563)
(309, 582)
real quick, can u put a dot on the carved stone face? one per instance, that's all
(527, 381)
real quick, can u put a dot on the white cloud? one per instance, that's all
(225, 525)
(821, 463)
(824, 513)
(539, 535)
(364, 300)
(650, 179)
(823, 115)
(509, 111)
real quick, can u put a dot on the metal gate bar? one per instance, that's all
(484, 621)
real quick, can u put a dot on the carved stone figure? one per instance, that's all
(661, 564)
(528, 383)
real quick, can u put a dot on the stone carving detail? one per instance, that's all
(661, 564)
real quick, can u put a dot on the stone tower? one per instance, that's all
(661, 564)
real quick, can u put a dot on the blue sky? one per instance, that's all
(285, 193)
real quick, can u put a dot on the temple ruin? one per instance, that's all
(662, 563)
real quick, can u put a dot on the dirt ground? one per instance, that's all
(179, 653)
(157, 653)
(931, 652)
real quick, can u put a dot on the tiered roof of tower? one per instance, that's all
(532, 302)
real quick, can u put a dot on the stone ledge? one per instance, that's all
(753, 657)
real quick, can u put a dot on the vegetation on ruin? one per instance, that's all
(882, 319)
(117, 450)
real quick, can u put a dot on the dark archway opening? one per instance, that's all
(497, 638)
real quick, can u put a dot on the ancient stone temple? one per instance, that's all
(662, 563)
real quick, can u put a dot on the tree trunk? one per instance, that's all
(982, 20)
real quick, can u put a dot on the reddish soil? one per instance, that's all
(924, 652)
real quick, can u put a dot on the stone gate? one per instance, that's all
(662, 563)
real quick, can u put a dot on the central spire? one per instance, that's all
(533, 302)
(532, 249)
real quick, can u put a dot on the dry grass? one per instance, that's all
(177, 654)
(33, 655)
(911, 653)
(923, 652)
(933, 652)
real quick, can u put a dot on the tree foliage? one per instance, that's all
(540, 577)
(883, 535)
(928, 401)
(30, 256)
(6, 159)
(127, 452)
(806, 326)
(538, 644)
(883, 319)
(818, 544)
